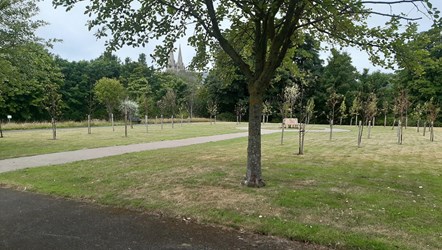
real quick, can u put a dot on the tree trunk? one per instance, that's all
(210, 119)
(301, 138)
(356, 121)
(125, 122)
(237, 119)
(1, 130)
(432, 131)
(191, 112)
(161, 121)
(89, 124)
(394, 122)
(369, 129)
(425, 127)
(146, 120)
(418, 124)
(385, 120)
(172, 121)
(351, 121)
(182, 118)
(399, 133)
(214, 120)
(112, 122)
(361, 128)
(331, 129)
(282, 131)
(340, 121)
(54, 129)
(253, 174)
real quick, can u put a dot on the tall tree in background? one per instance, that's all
(274, 28)
(20, 54)
(339, 74)
(109, 92)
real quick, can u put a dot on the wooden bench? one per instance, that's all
(290, 123)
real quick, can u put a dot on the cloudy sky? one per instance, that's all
(80, 44)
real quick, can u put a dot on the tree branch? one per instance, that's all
(227, 47)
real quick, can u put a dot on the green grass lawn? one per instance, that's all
(379, 196)
(39, 141)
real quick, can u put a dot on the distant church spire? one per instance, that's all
(175, 66)
(180, 64)
(171, 61)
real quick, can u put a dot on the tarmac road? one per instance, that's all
(33, 221)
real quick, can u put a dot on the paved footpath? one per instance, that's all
(94, 153)
(33, 221)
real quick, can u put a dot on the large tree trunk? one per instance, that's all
(1, 130)
(253, 175)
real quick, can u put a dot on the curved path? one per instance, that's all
(94, 153)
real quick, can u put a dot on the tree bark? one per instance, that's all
(161, 121)
(54, 129)
(385, 120)
(253, 174)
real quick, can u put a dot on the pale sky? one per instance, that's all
(80, 44)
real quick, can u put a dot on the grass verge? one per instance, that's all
(379, 196)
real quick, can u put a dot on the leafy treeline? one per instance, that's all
(359, 95)
(140, 83)
(315, 81)
(35, 85)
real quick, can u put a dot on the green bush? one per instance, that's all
(227, 117)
